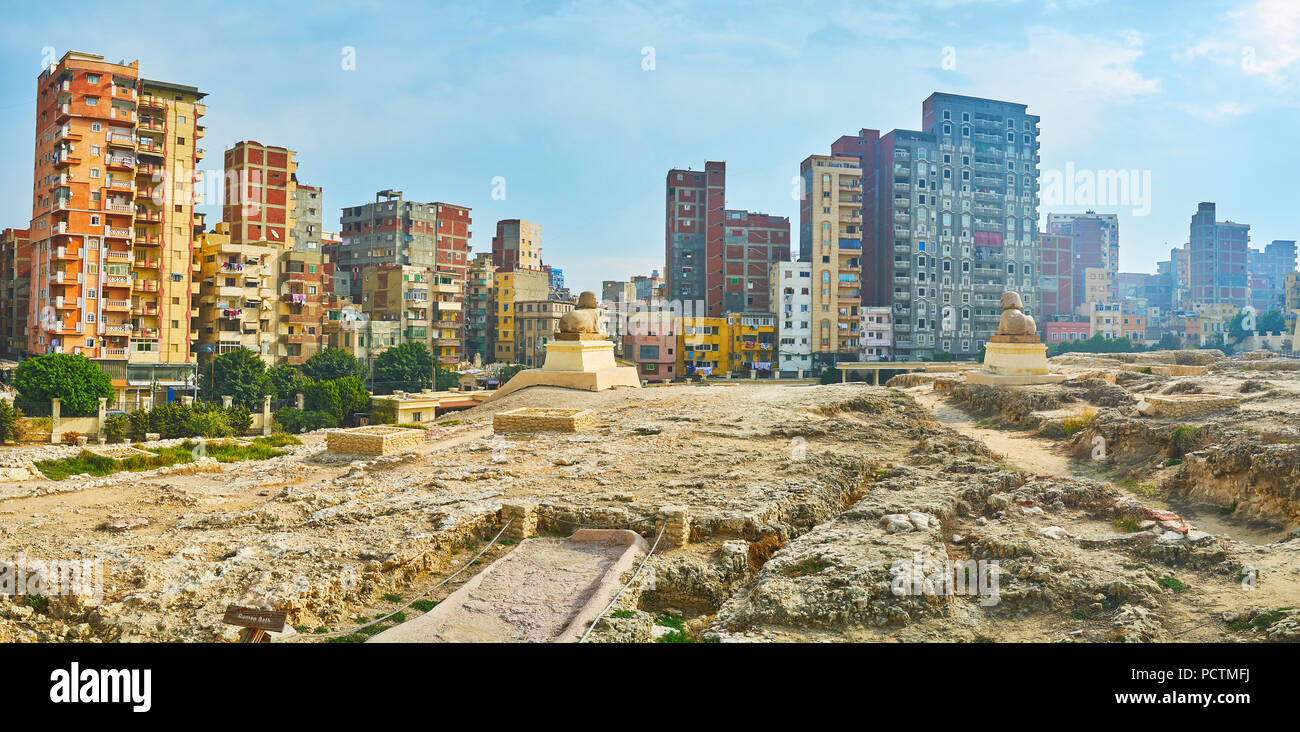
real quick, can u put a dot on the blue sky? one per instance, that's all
(553, 97)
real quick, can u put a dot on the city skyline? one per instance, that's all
(1115, 88)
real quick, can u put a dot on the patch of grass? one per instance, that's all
(1230, 508)
(397, 617)
(1172, 462)
(410, 426)
(424, 606)
(1183, 438)
(351, 638)
(390, 597)
(506, 542)
(1077, 421)
(321, 630)
(676, 636)
(261, 448)
(806, 567)
(623, 614)
(1127, 524)
(671, 621)
(39, 603)
(448, 422)
(1170, 582)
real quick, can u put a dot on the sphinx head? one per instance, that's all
(1012, 301)
(588, 301)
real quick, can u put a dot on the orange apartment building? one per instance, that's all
(113, 223)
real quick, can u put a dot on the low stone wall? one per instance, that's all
(373, 440)
(531, 419)
(1186, 405)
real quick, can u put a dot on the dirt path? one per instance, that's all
(1018, 448)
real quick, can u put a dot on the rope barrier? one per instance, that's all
(418, 597)
(618, 594)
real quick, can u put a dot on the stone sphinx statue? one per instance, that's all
(586, 322)
(1013, 321)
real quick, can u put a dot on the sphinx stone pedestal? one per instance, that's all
(1013, 364)
(576, 364)
(1015, 356)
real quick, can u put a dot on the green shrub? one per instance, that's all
(207, 424)
(240, 420)
(10, 424)
(295, 421)
(115, 427)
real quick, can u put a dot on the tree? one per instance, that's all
(1271, 322)
(1237, 329)
(286, 380)
(445, 378)
(1169, 342)
(339, 398)
(240, 374)
(73, 379)
(408, 367)
(333, 363)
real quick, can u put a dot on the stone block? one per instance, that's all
(373, 439)
(531, 419)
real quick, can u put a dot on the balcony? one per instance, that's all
(64, 160)
(902, 233)
(117, 305)
(65, 253)
(144, 240)
(113, 233)
(118, 162)
(147, 264)
(117, 328)
(118, 207)
(151, 147)
(149, 308)
(902, 187)
(144, 285)
(119, 254)
(149, 101)
(120, 139)
(148, 217)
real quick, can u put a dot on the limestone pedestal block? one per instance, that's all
(586, 365)
(1014, 364)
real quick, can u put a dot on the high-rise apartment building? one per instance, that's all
(480, 309)
(1056, 280)
(1218, 258)
(830, 240)
(517, 244)
(718, 257)
(1268, 270)
(1096, 245)
(947, 222)
(392, 230)
(791, 303)
(238, 294)
(511, 288)
(15, 291)
(112, 228)
(265, 268)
